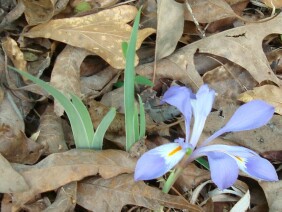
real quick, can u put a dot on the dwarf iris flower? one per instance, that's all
(225, 161)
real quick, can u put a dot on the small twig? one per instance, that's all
(203, 34)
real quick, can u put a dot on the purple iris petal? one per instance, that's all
(247, 160)
(224, 169)
(201, 107)
(150, 167)
(261, 169)
(251, 115)
(179, 96)
(232, 150)
(158, 161)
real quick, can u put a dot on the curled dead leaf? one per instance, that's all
(51, 134)
(12, 50)
(17, 148)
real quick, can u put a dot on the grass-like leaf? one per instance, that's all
(83, 112)
(77, 123)
(142, 122)
(129, 77)
(81, 124)
(102, 128)
(136, 123)
(141, 80)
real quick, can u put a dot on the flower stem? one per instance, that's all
(171, 179)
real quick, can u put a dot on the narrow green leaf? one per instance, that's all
(86, 119)
(82, 7)
(141, 80)
(142, 122)
(129, 78)
(118, 84)
(79, 132)
(124, 47)
(136, 123)
(97, 142)
(203, 162)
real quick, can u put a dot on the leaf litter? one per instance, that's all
(239, 59)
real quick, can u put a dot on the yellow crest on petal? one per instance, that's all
(175, 150)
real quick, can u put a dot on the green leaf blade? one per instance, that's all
(129, 78)
(79, 132)
(97, 142)
(142, 123)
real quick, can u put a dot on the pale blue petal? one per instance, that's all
(260, 169)
(232, 150)
(251, 115)
(179, 96)
(201, 107)
(158, 161)
(247, 160)
(224, 169)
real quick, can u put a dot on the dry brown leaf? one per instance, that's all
(115, 98)
(246, 39)
(273, 3)
(169, 68)
(11, 181)
(241, 45)
(112, 194)
(15, 12)
(1, 95)
(65, 200)
(9, 114)
(97, 81)
(222, 24)
(273, 193)
(170, 27)
(17, 148)
(6, 203)
(207, 11)
(269, 93)
(66, 73)
(40, 11)
(92, 65)
(228, 81)
(191, 177)
(275, 155)
(101, 33)
(59, 169)
(266, 138)
(51, 132)
(12, 50)
(116, 130)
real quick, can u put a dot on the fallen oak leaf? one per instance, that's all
(112, 194)
(59, 169)
(101, 33)
(242, 45)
